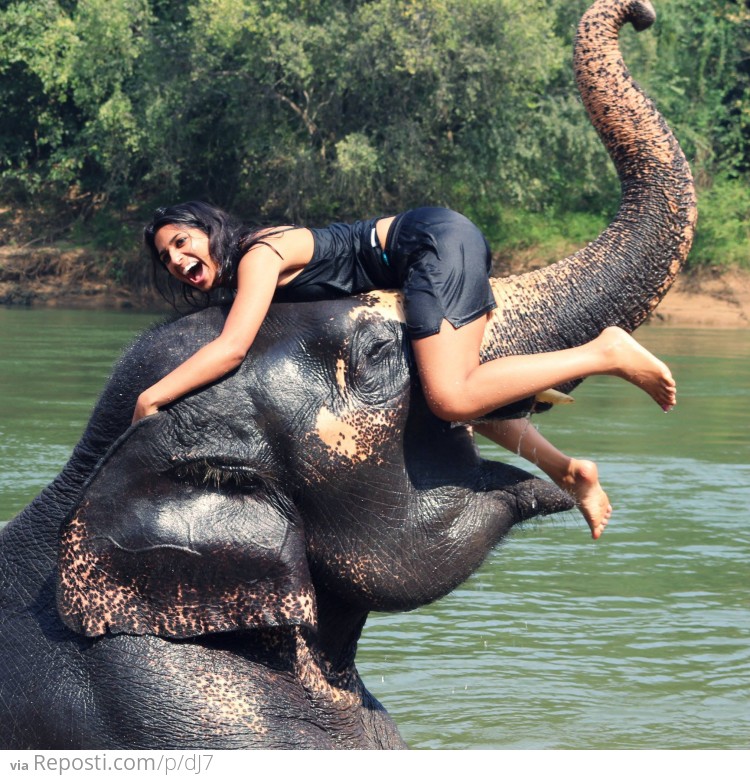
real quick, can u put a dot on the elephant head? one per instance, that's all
(229, 548)
(254, 524)
(315, 467)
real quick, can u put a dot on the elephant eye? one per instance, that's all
(379, 350)
(204, 473)
(377, 369)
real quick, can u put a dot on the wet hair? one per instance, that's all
(228, 241)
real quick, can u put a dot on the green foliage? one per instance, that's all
(104, 232)
(696, 69)
(723, 234)
(547, 234)
(310, 110)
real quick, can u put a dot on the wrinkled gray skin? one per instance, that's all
(201, 579)
(226, 551)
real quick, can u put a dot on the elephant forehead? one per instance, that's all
(388, 305)
(354, 435)
(341, 375)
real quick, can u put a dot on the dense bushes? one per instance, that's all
(309, 110)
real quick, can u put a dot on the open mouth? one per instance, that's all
(193, 271)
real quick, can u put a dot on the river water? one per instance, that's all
(639, 640)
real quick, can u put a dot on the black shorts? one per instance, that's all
(444, 265)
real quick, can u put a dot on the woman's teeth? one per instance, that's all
(189, 269)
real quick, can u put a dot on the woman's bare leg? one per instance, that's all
(458, 387)
(576, 476)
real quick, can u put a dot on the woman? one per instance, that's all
(441, 261)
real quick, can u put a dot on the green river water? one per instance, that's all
(640, 640)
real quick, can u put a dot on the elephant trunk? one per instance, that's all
(620, 277)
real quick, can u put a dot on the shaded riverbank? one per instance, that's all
(74, 278)
(712, 299)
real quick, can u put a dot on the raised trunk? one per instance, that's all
(620, 277)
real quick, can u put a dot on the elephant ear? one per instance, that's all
(171, 555)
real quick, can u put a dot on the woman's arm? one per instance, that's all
(257, 278)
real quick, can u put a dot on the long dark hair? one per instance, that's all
(228, 241)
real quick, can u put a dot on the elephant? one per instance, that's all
(201, 579)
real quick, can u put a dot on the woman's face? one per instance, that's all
(183, 251)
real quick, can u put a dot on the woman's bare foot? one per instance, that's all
(631, 361)
(582, 482)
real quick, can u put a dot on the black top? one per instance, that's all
(347, 259)
(438, 258)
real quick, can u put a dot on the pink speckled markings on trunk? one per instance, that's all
(620, 277)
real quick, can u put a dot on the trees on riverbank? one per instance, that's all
(316, 110)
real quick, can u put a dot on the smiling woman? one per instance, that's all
(185, 256)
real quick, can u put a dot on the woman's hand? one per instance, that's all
(144, 407)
